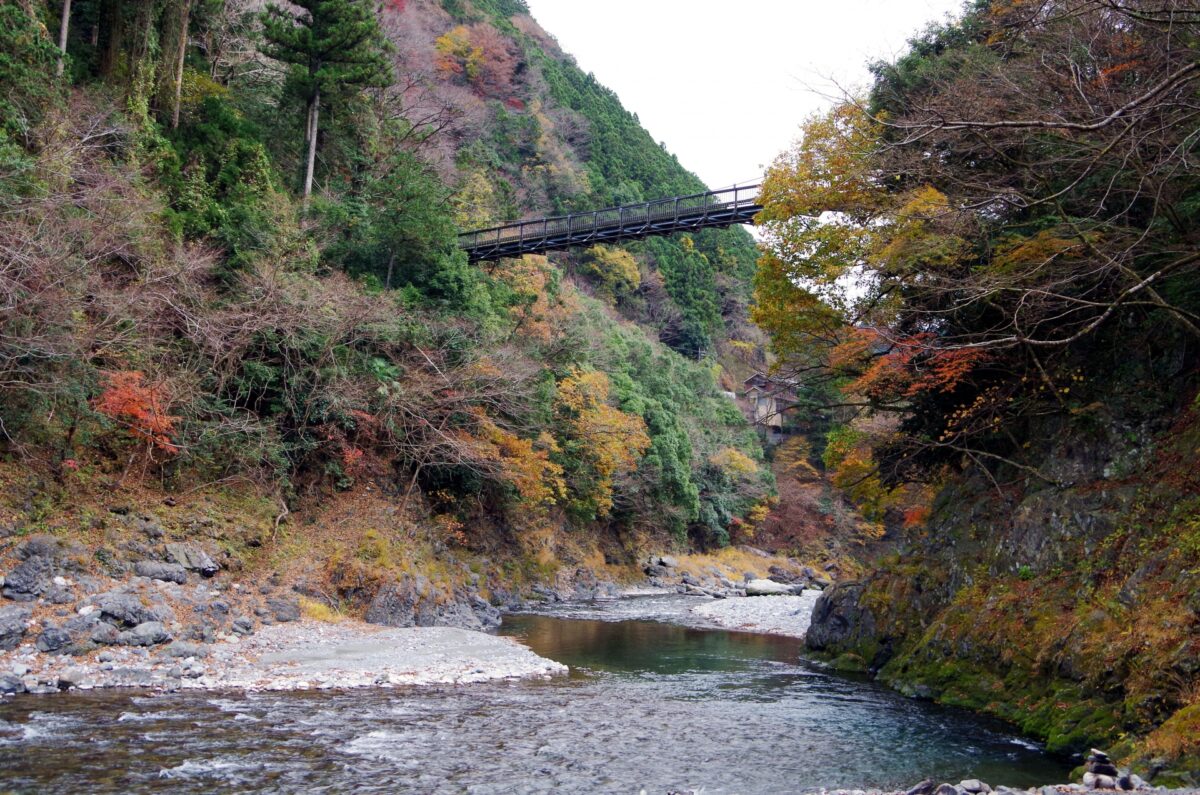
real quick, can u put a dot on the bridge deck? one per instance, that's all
(717, 208)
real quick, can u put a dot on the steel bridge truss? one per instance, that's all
(717, 208)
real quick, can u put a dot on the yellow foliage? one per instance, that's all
(474, 202)
(733, 461)
(457, 55)
(615, 269)
(605, 440)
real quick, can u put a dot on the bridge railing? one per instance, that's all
(577, 227)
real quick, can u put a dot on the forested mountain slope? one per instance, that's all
(230, 279)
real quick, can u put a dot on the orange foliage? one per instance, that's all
(916, 516)
(140, 407)
(909, 367)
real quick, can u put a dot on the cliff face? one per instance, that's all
(1071, 609)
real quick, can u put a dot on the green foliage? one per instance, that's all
(222, 182)
(27, 63)
(333, 45)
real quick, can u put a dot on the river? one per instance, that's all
(648, 704)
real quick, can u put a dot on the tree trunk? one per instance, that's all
(391, 265)
(312, 144)
(112, 33)
(62, 37)
(174, 48)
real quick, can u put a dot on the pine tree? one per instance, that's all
(332, 44)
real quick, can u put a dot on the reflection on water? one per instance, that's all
(647, 705)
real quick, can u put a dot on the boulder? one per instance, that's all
(766, 588)
(192, 558)
(40, 546)
(243, 625)
(13, 621)
(29, 579)
(149, 633)
(284, 608)
(946, 789)
(11, 683)
(974, 785)
(53, 639)
(128, 609)
(104, 634)
(167, 572)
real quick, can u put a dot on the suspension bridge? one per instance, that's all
(716, 208)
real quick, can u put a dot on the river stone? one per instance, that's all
(148, 633)
(182, 648)
(72, 677)
(284, 608)
(974, 785)
(192, 558)
(758, 587)
(12, 626)
(53, 639)
(946, 789)
(11, 683)
(924, 787)
(243, 625)
(132, 677)
(167, 572)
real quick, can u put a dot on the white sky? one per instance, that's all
(725, 85)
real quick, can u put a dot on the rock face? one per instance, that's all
(415, 602)
(13, 621)
(992, 605)
(839, 622)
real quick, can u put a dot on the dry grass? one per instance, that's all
(319, 611)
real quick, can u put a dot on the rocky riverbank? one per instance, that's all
(298, 655)
(172, 618)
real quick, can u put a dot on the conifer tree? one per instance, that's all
(332, 44)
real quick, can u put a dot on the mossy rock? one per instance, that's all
(850, 662)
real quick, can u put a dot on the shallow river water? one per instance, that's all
(648, 705)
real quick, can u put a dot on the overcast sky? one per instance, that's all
(726, 84)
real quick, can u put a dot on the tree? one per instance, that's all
(176, 16)
(333, 46)
(63, 28)
(1013, 208)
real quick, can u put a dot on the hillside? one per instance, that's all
(233, 295)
